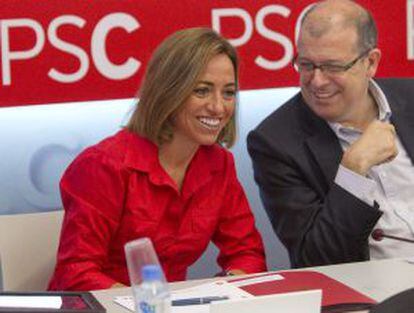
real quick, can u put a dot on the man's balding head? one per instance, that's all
(333, 15)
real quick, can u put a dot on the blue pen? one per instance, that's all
(195, 301)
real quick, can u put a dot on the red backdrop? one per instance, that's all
(73, 50)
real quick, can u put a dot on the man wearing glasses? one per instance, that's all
(335, 161)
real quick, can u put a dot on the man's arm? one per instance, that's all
(317, 226)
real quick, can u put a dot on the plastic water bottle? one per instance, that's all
(152, 295)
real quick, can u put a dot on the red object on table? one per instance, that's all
(334, 293)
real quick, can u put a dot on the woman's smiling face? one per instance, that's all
(210, 106)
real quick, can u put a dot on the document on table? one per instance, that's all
(217, 288)
(239, 300)
(30, 302)
(410, 260)
(240, 282)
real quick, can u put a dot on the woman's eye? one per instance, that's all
(229, 94)
(201, 92)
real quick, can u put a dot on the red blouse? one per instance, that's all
(117, 191)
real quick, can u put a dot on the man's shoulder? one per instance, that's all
(399, 92)
(398, 86)
(284, 130)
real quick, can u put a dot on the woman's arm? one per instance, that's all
(240, 244)
(92, 191)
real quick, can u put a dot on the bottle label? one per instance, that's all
(146, 307)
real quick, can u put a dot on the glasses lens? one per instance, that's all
(302, 66)
(332, 68)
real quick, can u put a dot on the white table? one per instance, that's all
(377, 279)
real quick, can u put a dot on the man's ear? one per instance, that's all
(373, 58)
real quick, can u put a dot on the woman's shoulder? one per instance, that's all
(112, 147)
(114, 150)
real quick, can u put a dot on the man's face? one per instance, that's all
(334, 96)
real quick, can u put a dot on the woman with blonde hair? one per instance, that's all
(165, 176)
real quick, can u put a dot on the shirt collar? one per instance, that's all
(142, 154)
(384, 110)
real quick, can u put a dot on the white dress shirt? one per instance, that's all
(390, 184)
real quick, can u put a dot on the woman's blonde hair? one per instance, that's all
(171, 76)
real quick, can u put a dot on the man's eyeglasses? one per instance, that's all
(306, 67)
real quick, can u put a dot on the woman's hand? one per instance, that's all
(235, 272)
(118, 285)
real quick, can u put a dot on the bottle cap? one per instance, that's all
(151, 272)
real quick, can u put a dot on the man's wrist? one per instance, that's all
(352, 164)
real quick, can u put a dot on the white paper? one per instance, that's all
(256, 280)
(42, 302)
(125, 301)
(410, 260)
(308, 301)
(218, 288)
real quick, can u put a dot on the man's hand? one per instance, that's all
(377, 145)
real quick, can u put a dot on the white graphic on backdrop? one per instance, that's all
(39, 142)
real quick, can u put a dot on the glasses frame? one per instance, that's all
(324, 67)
